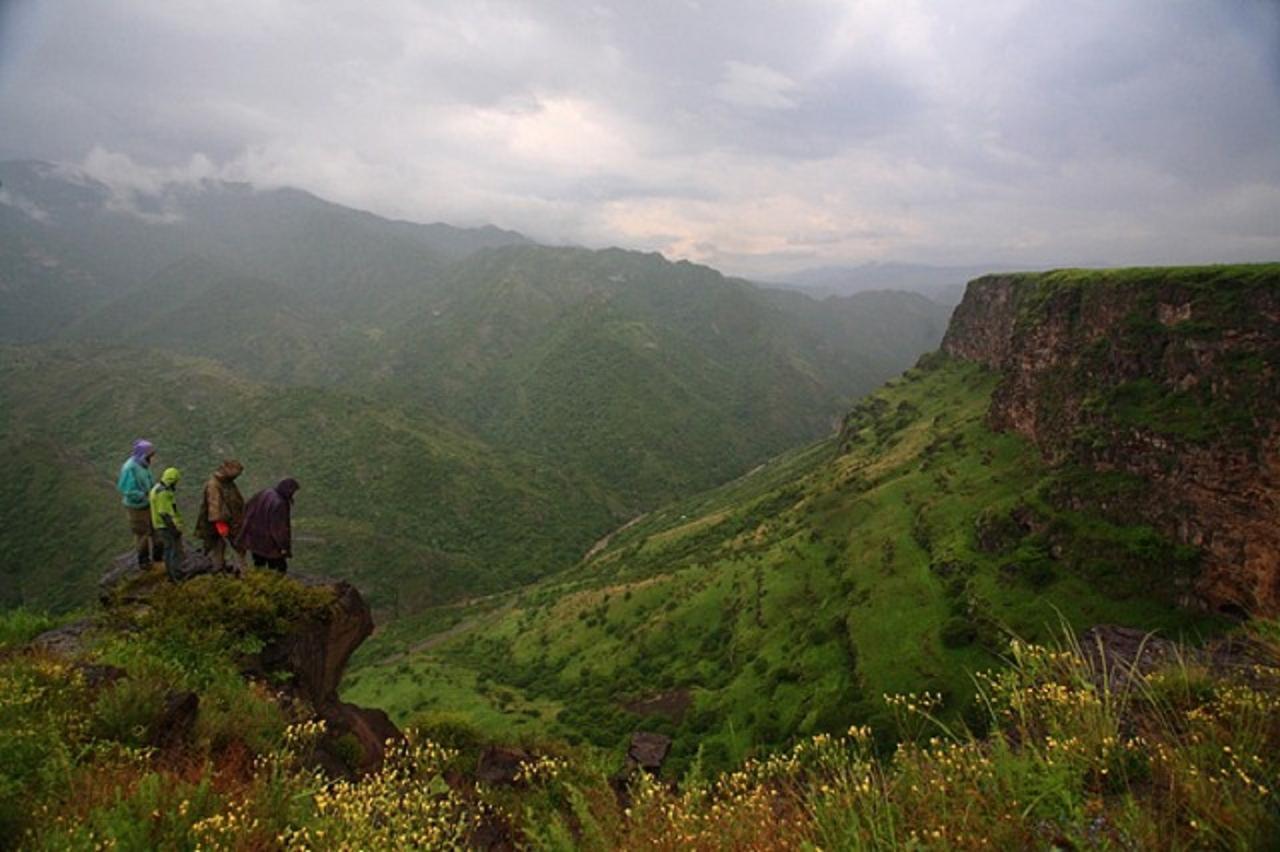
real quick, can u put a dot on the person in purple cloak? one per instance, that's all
(267, 532)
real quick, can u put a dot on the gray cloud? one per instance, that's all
(757, 135)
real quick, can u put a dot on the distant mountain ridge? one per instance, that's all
(944, 283)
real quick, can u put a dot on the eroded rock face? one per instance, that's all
(315, 652)
(1173, 379)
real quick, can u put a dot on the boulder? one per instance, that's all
(126, 582)
(175, 723)
(1123, 651)
(648, 751)
(1116, 653)
(500, 765)
(315, 652)
(65, 641)
(124, 571)
(371, 728)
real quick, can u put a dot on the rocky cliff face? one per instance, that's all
(1167, 376)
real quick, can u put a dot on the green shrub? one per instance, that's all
(127, 711)
(20, 626)
(42, 723)
(957, 632)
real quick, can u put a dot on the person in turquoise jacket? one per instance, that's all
(167, 520)
(134, 484)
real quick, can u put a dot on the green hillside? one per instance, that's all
(898, 559)
(655, 378)
(409, 507)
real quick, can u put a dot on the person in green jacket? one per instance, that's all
(167, 520)
(134, 484)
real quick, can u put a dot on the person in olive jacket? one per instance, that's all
(268, 526)
(222, 515)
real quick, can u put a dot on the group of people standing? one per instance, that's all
(261, 527)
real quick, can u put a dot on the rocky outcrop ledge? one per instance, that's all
(311, 654)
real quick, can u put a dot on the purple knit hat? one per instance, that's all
(141, 449)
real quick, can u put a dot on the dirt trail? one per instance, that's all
(604, 542)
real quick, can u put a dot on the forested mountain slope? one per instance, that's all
(652, 376)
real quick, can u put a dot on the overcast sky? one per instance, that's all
(759, 137)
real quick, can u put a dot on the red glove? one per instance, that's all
(223, 529)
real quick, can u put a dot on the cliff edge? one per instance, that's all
(1166, 376)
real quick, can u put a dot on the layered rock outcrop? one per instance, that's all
(1169, 376)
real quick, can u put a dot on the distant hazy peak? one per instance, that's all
(43, 190)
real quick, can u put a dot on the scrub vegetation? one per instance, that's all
(899, 557)
(1060, 751)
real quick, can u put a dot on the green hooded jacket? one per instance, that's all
(164, 502)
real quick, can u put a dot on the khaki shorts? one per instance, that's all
(139, 521)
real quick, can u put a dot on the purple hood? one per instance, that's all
(141, 449)
(286, 488)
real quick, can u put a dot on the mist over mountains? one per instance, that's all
(325, 338)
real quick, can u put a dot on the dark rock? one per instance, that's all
(369, 727)
(316, 650)
(195, 563)
(65, 641)
(1118, 653)
(99, 676)
(124, 572)
(176, 722)
(500, 765)
(648, 751)
(126, 582)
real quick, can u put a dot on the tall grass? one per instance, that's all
(1076, 752)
